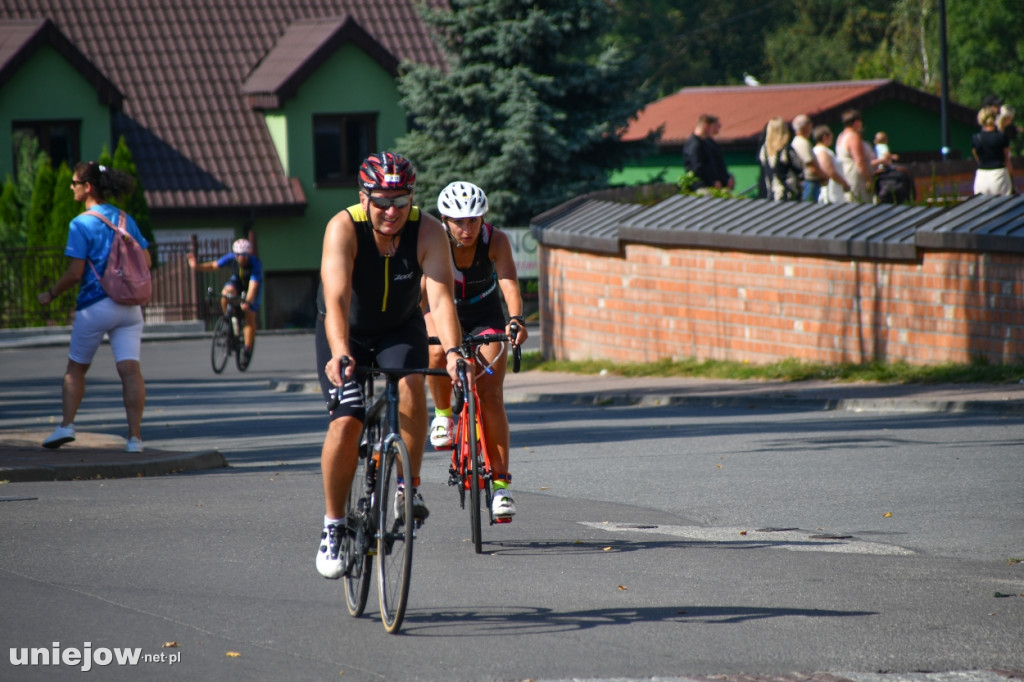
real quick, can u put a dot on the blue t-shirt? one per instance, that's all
(242, 276)
(89, 239)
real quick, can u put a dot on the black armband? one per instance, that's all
(453, 349)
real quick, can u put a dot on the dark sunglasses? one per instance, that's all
(79, 182)
(384, 203)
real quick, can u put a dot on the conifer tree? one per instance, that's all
(65, 208)
(530, 108)
(10, 216)
(135, 204)
(38, 219)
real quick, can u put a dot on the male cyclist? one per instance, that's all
(246, 281)
(374, 256)
(483, 262)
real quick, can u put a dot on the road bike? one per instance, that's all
(470, 469)
(376, 522)
(228, 338)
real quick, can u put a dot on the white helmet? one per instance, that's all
(242, 246)
(462, 200)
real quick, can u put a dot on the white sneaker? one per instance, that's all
(441, 432)
(134, 445)
(503, 506)
(330, 561)
(61, 435)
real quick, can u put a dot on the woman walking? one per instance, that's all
(89, 244)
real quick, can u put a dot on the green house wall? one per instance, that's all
(350, 82)
(29, 96)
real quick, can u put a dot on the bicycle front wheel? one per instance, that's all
(357, 579)
(394, 535)
(474, 478)
(221, 349)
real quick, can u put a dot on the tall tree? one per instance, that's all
(826, 39)
(135, 204)
(530, 108)
(65, 208)
(685, 43)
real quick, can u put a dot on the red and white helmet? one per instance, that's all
(242, 246)
(462, 200)
(387, 170)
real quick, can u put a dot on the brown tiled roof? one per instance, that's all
(197, 141)
(744, 110)
(20, 40)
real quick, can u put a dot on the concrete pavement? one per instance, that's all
(92, 455)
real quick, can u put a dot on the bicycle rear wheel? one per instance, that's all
(221, 345)
(357, 579)
(394, 536)
(474, 475)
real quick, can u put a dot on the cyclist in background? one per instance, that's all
(246, 281)
(377, 255)
(482, 257)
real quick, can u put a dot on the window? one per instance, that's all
(59, 139)
(340, 143)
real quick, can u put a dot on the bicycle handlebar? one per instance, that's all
(335, 392)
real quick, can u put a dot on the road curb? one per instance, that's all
(157, 465)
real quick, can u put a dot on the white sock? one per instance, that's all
(328, 521)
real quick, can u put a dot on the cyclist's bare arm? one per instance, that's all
(336, 265)
(436, 263)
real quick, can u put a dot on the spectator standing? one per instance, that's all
(883, 155)
(856, 157)
(703, 156)
(814, 176)
(96, 314)
(781, 165)
(835, 191)
(991, 150)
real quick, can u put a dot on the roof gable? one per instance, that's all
(744, 110)
(21, 39)
(304, 47)
(181, 64)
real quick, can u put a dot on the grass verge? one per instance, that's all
(791, 370)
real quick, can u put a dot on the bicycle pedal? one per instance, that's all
(503, 519)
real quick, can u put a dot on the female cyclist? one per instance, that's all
(483, 263)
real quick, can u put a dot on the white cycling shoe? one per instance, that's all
(441, 432)
(503, 506)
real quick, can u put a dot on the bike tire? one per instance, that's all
(394, 536)
(357, 579)
(221, 348)
(474, 475)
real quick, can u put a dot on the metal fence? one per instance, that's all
(179, 293)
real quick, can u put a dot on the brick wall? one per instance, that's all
(651, 303)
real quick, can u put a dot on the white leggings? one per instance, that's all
(122, 322)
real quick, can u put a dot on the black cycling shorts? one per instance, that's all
(404, 347)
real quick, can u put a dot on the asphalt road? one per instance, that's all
(651, 542)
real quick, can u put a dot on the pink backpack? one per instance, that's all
(126, 280)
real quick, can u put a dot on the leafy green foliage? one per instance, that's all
(697, 43)
(530, 108)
